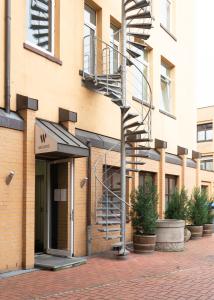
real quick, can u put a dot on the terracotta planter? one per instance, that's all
(208, 229)
(170, 235)
(196, 231)
(144, 243)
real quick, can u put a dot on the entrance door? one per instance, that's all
(60, 208)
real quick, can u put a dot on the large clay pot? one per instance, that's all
(144, 243)
(196, 231)
(208, 229)
(170, 235)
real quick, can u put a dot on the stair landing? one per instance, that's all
(56, 263)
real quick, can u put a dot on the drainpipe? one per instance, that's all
(7, 53)
(88, 205)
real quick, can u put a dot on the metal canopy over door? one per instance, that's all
(60, 208)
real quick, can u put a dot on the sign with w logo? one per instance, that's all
(43, 137)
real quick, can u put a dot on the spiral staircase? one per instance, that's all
(111, 210)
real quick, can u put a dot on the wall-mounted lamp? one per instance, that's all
(83, 182)
(9, 177)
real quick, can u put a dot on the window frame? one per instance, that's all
(146, 65)
(52, 36)
(168, 80)
(168, 195)
(114, 42)
(168, 22)
(144, 174)
(205, 132)
(205, 160)
(92, 27)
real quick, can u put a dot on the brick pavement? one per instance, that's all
(171, 276)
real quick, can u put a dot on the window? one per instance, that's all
(40, 27)
(140, 84)
(170, 186)
(205, 132)
(166, 101)
(115, 43)
(89, 41)
(145, 176)
(166, 13)
(207, 163)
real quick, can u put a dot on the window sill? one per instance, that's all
(144, 102)
(167, 114)
(205, 141)
(167, 31)
(43, 54)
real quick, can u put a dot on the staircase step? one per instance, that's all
(110, 85)
(138, 148)
(109, 229)
(109, 222)
(138, 5)
(133, 170)
(125, 108)
(142, 36)
(110, 76)
(134, 133)
(118, 102)
(139, 140)
(140, 25)
(129, 117)
(129, 63)
(107, 208)
(127, 2)
(37, 8)
(137, 45)
(135, 163)
(133, 53)
(137, 155)
(109, 216)
(134, 124)
(112, 237)
(144, 15)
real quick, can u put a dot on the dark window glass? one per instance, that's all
(170, 185)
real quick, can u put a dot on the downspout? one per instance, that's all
(7, 54)
(88, 205)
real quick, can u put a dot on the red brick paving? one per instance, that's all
(168, 276)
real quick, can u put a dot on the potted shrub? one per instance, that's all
(209, 226)
(170, 231)
(144, 216)
(197, 213)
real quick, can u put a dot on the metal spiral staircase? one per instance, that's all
(112, 208)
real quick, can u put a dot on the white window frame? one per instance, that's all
(167, 79)
(114, 42)
(166, 23)
(145, 63)
(93, 27)
(52, 38)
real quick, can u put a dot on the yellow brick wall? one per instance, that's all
(11, 199)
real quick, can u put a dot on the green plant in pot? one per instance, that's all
(144, 216)
(197, 213)
(208, 228)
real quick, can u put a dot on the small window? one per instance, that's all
(115, 44)
(89, 39)
(166, 100)
(205, 132)
(166, 14)
(40, 27)
(170, 186)
(207, 163)
(140, 83)
(145, 177)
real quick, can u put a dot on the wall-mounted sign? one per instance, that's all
(44, 142)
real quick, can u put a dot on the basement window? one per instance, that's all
(40, 24)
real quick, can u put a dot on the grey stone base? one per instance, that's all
(170, 247)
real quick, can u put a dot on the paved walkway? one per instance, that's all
(186, 275)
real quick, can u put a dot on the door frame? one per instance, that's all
(58, 252)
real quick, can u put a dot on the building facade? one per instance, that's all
(205, 117)
(60, 137)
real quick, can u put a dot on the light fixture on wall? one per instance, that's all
(9, 177)
(83, 182)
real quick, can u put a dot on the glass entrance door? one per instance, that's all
(60, 207)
